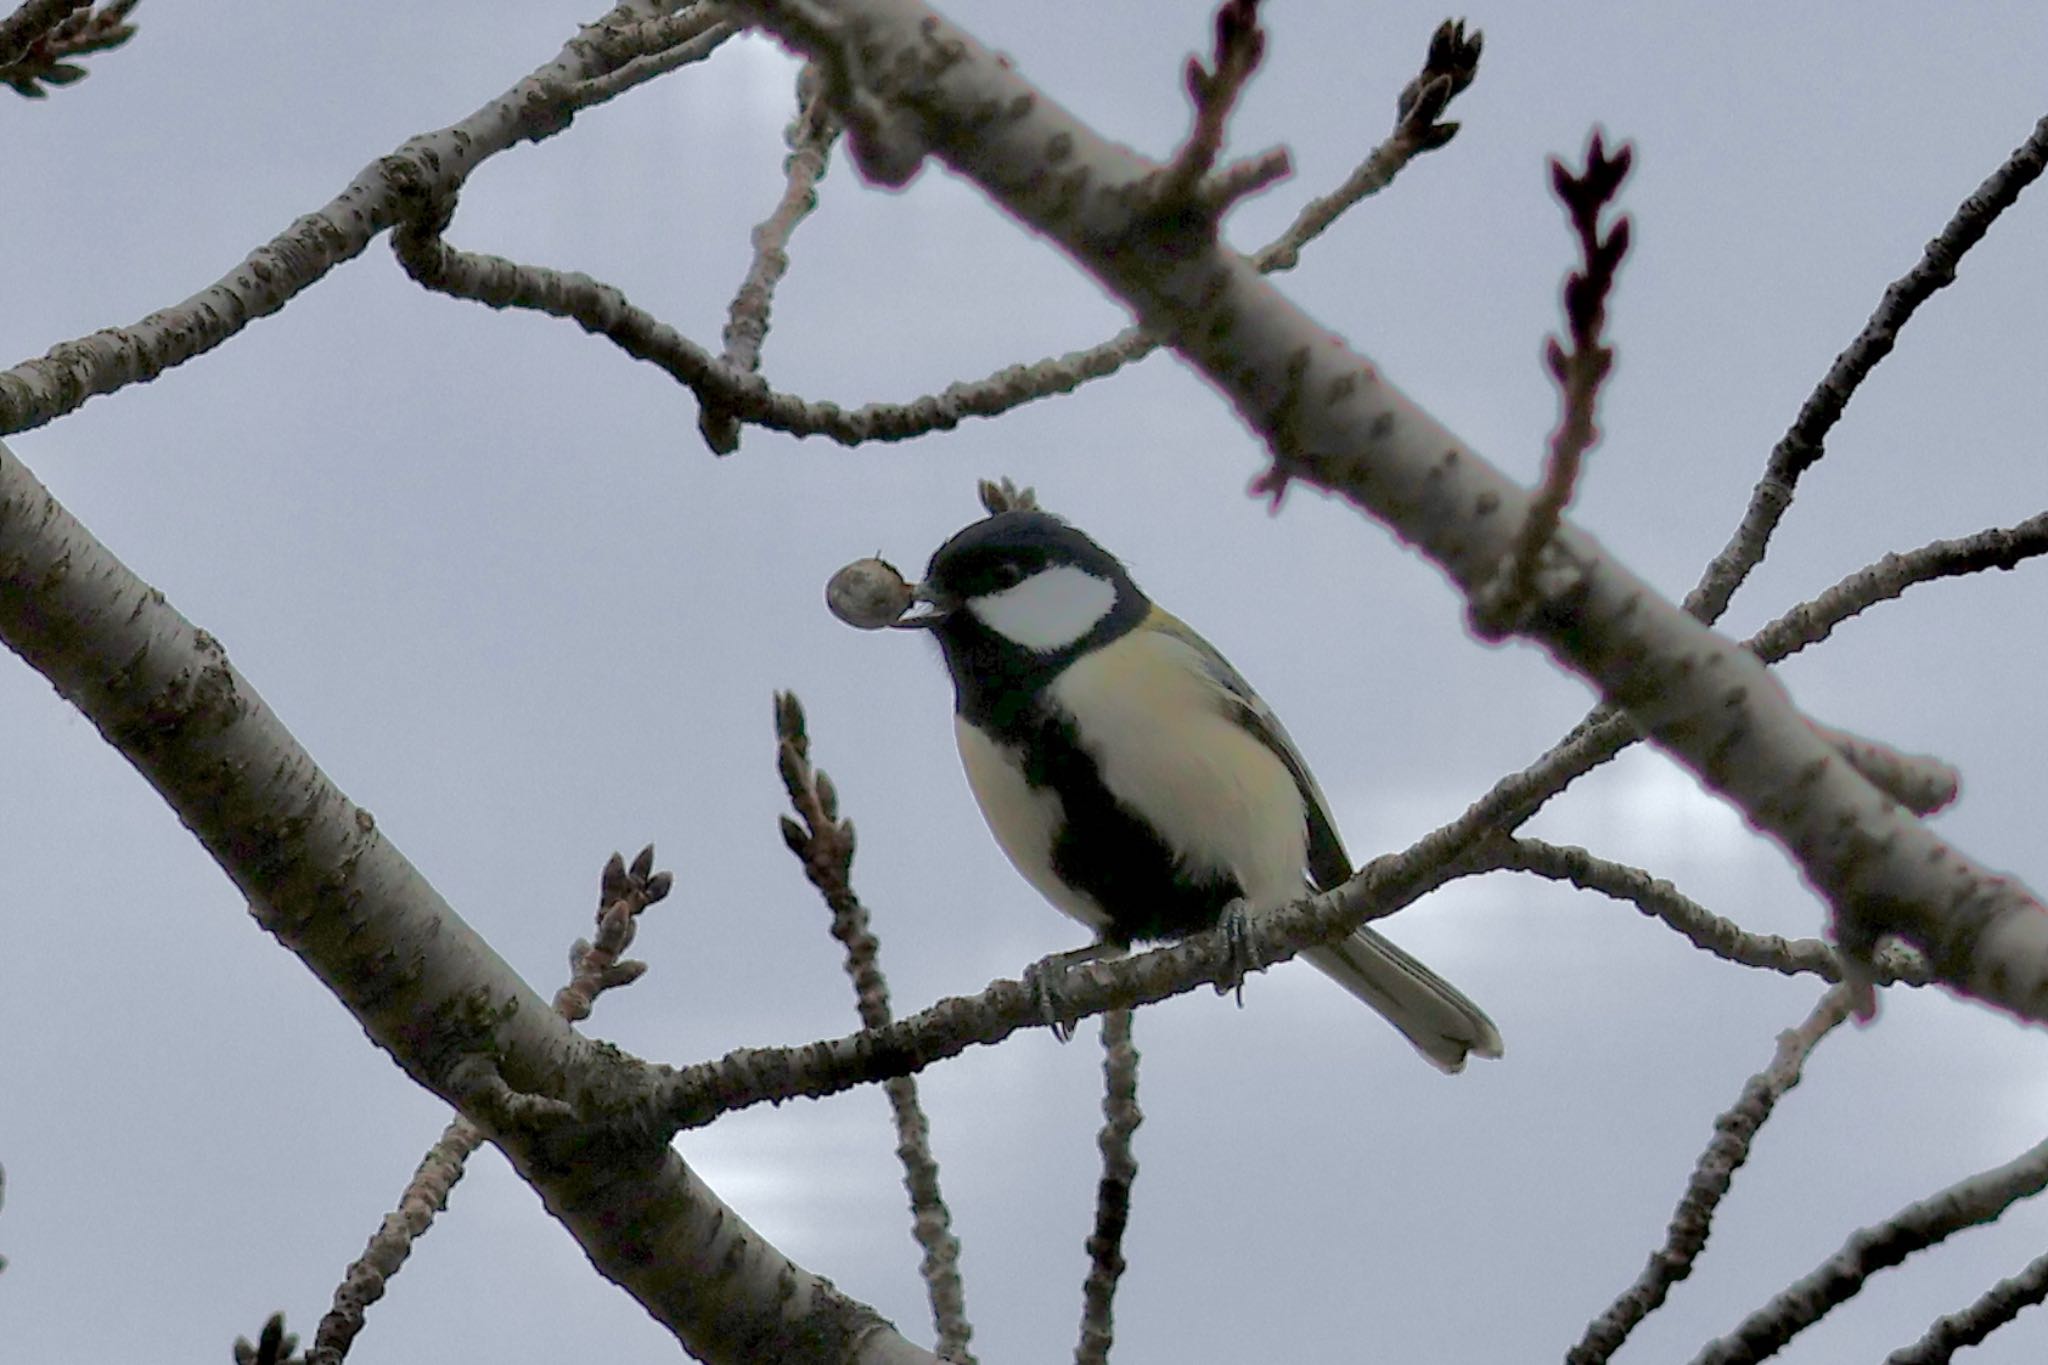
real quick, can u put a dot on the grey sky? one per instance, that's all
(483, 567)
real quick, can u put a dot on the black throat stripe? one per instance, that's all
(1104, 849)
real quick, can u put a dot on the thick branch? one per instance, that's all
(913, 86)
(321, 878)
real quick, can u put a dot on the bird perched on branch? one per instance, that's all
(1133, 776)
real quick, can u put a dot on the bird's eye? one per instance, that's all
(1007, 575)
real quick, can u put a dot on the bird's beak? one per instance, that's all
(939, 607)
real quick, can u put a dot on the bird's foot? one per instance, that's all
(1241, 934)
(1046, 980)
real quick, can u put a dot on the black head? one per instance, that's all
(1015, 598)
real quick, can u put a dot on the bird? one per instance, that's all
(1133, 777)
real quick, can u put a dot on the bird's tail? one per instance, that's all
(1430, 1012)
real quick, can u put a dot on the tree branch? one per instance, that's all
(1803, 445)
(914, 86)
(1979, 1199)
(1120, 1119)
(1578, 371)
(810, 136)
(1993, 1309)
(1704, 929)
(824, 844)
(320, 877)
(431, 166)
(1734, 1131)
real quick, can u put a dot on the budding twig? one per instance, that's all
(1579, 371)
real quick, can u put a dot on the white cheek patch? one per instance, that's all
(1049, 610)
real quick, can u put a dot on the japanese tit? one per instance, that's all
(1133, 776)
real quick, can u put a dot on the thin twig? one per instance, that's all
(1996, 1307)
(431, 165)
(681, 40)
(1240, 44)
(593, 969)
(688, 1097)
(1448, 68)
(1982, 1198)
(1805, 442)
(365, 1280)
(1704, 929)
(810, 136)
(1734, 1131)
(824, 844)
(604, 310)
(1578, 370)
(1809, 623)
(1120, 1119)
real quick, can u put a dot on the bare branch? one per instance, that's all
(661, 45)
(600, 63)
(1450, 66)
(1811, 622)
(1996, 1307)
(1121, 1117)
(1968, 1203)
(824, 844)
(1734, 1131)
(1805, 442)
(692, 1096)
(427, 168)
(1700, 926)
(1214, 89)
(1497, 607)
(321, 878)
(364, 1282)
(593, 969)
(810, 137)
(604, 310)
(1603, 734)
(1332, 419)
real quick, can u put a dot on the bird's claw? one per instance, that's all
(1241, 934)
(1044, 980)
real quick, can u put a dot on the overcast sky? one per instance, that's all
(483, 567)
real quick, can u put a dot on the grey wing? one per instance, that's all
(1430, 1012)
(1328, 865)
